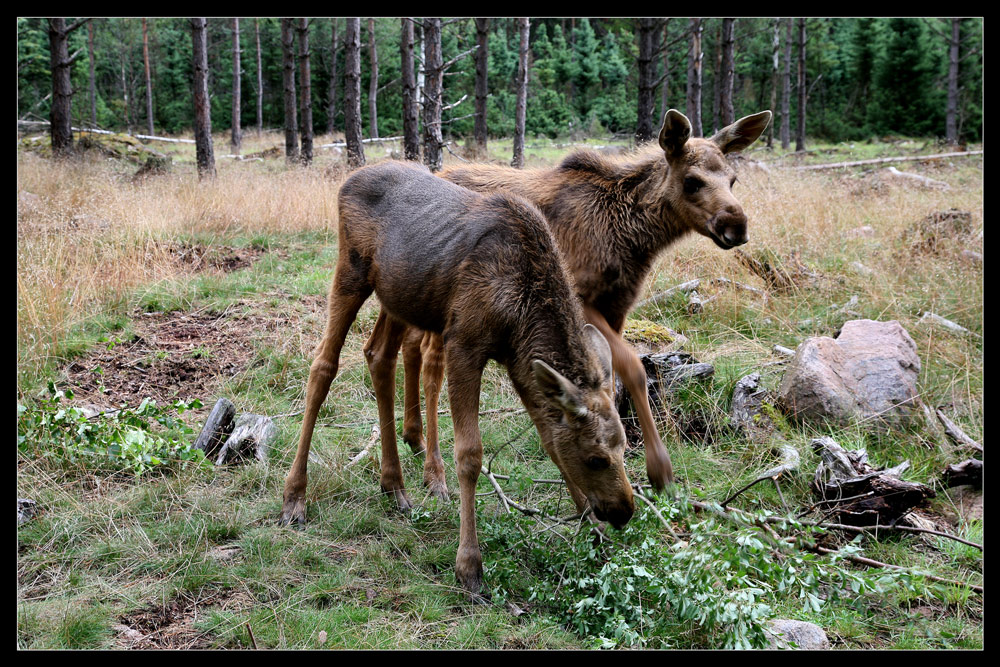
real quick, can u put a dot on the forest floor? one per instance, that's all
(166, 288)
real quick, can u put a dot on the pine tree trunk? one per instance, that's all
(694, 78)
(433, 141)
(728, 72)
(411, 136)
(372, 82)
(202, 111)
(149, 80)
(647, 32)
(776, 43)
(480, 128)
(260, 82)
(786, 90)
(62, 88)
(352, 92)
(951, 112)
(237, 135)
(305, 93)
(665, 90)
(331, 106)
(522, 95)
(717, 87)
(800, 135)
(288, 83)
(92, 85)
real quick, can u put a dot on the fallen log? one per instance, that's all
(860, 494)
(968, 472)
(904, 158)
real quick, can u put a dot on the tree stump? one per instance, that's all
(217, 427)
(252, 434)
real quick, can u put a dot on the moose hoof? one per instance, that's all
(416, 443)
(469, 571)
(437, 488)
(659, 470)
(293, 512)
(402, 500)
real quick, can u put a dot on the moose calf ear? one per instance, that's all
(557, 390)
(742, 133)
(675, 132)
(600, 345)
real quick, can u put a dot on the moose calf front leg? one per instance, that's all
(464, 378)
(344, 303)
(629, 367)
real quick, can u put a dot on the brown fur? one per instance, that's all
(490, 284)
(611, 218)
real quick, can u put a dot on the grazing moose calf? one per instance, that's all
(483, 273)
(611, 218)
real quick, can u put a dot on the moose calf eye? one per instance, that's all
(597, 463)
(692, 185)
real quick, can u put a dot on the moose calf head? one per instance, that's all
(698, 186)
(588, 442)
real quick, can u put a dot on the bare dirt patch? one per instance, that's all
(197, 257)
(172, 626)
(173, 355)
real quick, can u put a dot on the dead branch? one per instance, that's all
(726, 282)
(689, 286)
(375, 437)
(968, 472)
(789, 461)
(917, 178)
(952, 430)
(861, 560)
(946, 323)
(835, 165)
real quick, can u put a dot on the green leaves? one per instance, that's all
(135, 439)
(717, 587)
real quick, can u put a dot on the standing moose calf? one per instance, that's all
(483, 273)
(611, 219)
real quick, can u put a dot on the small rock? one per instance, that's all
(866, 231)
(806, 636)
(26, 510)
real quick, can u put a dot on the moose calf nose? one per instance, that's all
(735, 236)
(617, 515)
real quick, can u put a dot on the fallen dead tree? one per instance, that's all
(903, 158)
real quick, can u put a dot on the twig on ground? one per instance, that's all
(952, 430)
(639, 494)
(667, 293)
(375, 437)
(869, 562)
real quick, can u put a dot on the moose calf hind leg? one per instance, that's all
(381, 351)
(433, 368)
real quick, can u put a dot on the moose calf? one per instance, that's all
(611, 218)
(484, 274)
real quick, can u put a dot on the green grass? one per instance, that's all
(107, 547)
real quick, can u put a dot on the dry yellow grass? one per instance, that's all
(88, 236)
